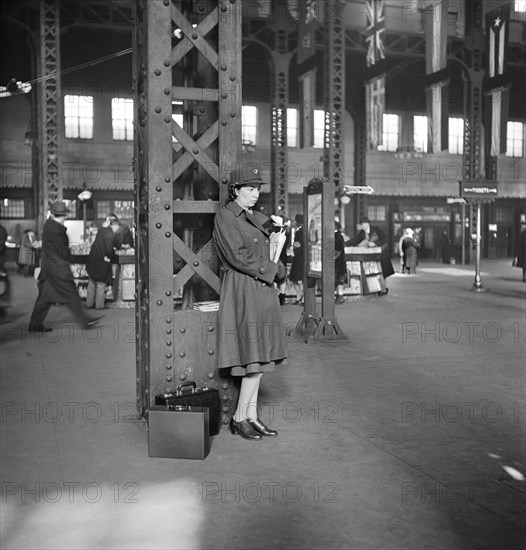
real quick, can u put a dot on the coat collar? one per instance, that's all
(257, 219)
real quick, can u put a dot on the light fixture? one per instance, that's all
(345, 199)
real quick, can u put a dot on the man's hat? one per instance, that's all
(298, 218)
(59, 209)
(248, 175)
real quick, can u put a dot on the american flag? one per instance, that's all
(374, 109)
(374, 30)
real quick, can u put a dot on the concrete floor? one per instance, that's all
(410, 435)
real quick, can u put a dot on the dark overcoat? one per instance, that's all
(56, 283)
(96, 266)
(377, 236)
(250, 324)
(296, 270)
(410, 249)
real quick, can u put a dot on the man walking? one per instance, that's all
(55, 282)
(98, 264)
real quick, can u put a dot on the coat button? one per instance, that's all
(255, 240)
(261, 270)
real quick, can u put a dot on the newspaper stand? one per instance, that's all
(318, 243)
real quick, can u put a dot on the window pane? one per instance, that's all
(292, 127)
(515, 139)
(420, 133)
(78, 116)
(122, 118)
(456, 136)
(319, 128)
(391, 133)
(103, 208)
(249, 120)
(12, 208)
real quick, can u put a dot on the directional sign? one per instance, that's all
(456, 201)
(357, 190)
(481, 189)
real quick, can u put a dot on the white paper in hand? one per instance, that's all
(277, 241)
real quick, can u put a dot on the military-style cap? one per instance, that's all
(247, 175)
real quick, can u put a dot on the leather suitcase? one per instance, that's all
(178, 432)
(188, 394)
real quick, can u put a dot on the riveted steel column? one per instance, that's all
(333, 152)
(473, 144)
(50, 106)
(154, 304)
(280, 101)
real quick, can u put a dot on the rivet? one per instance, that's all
(168, 367)
(167, 63)
(210, 352)
(194, 35)
(210, 329)
(223, 67)
(223, 179)
(182, 354)
(159, 302)
(224, 95)
(210, 375)
(167, 119)
(158, 188)
(167, 91)
(168, 293)
(168, 342)
(168, 319)
(167, 207)
(182, 331)
(166, 2)
(158, 225)
(233, 114)
(224, 123)
(182, 377)
(195, 151)
(168, 378)
(223, 8)
(157, 72)
(167, 180)
(232, 79)
(158, 109)
(167, 234)
(168, 331)
(196, 264)
(168, 356)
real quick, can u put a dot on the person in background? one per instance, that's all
(3, 239)
(296, 269)
(340, 266)
(521, 254)
(401, 252)
(98, 264)
(377, 238)
(410, 248)
(55, 282)
(27, 253)
(251, 340)
(123, 237)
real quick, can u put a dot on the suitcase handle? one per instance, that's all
(188, 384)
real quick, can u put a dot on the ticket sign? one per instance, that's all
(479, 190)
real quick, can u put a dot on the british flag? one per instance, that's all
(374, 31)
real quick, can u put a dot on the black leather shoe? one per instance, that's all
(262, 429)
(40, 329)
(244, 429)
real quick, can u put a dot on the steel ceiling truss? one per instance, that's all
(188, 57)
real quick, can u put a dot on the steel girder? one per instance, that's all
(50, 107)
(189, 54)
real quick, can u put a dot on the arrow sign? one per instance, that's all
(357, 190)
(456, 201)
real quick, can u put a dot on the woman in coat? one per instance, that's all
(410, 248)
(27, 254)
(251, 339)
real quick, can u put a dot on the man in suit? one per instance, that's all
(98, 264)
(55, 282)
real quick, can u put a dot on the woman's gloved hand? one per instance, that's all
(281, 275)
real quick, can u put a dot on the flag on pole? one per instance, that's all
(374, 31)
(497, 33)
(374, 109)
(435, 27)
(497, 101)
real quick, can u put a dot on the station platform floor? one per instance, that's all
(409, 435)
